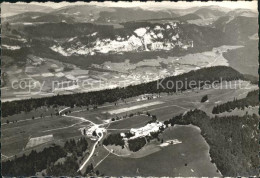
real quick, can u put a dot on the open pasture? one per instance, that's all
(130, 122)
(170, 160)
(15, 136)
(94, 116)
(37, 113)
(39, 140)
(122, 110)
(230, 91)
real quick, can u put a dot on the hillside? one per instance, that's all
(103, 42)
(188, 17)
(251, 100)
(237, 29)
(218, 73)
(100, 14)
(62, 35)
(124, 15)
(93, 39)
(206, 13)
(242, 12)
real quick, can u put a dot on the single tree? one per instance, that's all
(204, 99)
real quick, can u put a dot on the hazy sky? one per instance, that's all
(232, 5)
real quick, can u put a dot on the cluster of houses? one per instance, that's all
(92, 132)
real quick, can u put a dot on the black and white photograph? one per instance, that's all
(130, 89)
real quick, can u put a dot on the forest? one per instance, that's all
(114, 139)
(252, 99)
(200, 77)
(32, 163)
(29, 165)
(136, 144)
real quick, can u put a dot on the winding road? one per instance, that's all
(94, 146)
(91, 153)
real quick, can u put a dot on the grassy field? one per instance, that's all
(15, 136)
(132, 122)
(170, 161)
(44, 111)
(92, 115)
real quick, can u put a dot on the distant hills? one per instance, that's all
(206, 13)
(103, 33)
(242, 12)
(14, 9)
(96, 31)
(187, 17)
(89, 13)
(237, 28)
(89, 36)
(92, 13)
(103, 14)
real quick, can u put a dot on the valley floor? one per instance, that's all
(51, 77)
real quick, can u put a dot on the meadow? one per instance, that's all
(190, 158)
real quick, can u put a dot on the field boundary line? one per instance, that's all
(63, 127)
(167, 107)
(102, 160)
(115, 153)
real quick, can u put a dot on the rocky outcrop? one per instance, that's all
(145, 38)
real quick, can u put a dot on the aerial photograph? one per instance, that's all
(130, 89)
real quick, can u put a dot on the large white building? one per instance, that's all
(146, 130)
